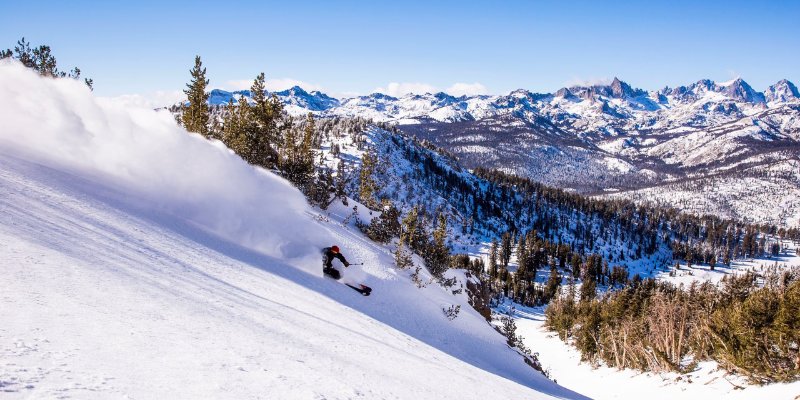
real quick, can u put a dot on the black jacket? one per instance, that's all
(328, 255)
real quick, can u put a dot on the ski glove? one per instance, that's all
(346, 264)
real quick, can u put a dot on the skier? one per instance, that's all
(328, 254)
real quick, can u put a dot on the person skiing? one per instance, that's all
(328, 254)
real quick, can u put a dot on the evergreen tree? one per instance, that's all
(576, 266)
(297, 156)
(320, 191)
(493, 260)
(386, 226)
(438, 256)
(235, 128)
(553, 283)
(367, 185)
(402, 258)
(588, 287)
(196, 114)
(505, 249)
(230, 125)
(413, 230)
(290, 152)
(522, 258)
(305, 162)
(41, 60)
(267, 114)
(340, 182)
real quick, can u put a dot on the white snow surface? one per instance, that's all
(140, 261)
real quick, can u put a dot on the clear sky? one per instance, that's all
(345, 47)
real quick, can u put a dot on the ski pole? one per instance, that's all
(357, 264)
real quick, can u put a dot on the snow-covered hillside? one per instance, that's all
(140, 261)
(768, 192)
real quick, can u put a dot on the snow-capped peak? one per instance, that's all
(740, 90)
(782, 91)
(620, 89)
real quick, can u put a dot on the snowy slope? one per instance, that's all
(143, 262)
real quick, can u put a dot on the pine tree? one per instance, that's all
(195, 115)
(45, 62)
(321, 189)
(505, 249)
(234, 128)
(413, 228)
(289, 153)
(41, 60)
(493, 272)
(402, 258)
(386, 226)
(576, 266)
(438, 256)
(22, 53)
(305, 167)
(522, 258)
(296, 160)
(340, 182)
(367, 185)
(553, 282)
(267, 113)
(589, 280)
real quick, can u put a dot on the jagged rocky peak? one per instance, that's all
(583, 92)
(314, 101)
(221, 97)
(564, 93)
(317, 93)
(294, 91)
(703, 85)
(782, 91)
(620, 89)
(520, 94)
(742, 91)
(616, 89)
(443, 96)
(380, 96)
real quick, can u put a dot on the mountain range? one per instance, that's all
(610, 140)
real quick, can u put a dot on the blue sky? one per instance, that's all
(345, 47)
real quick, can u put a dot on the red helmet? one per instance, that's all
(335, 249)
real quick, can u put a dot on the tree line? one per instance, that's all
(41, 60)
(259, 131)
(749, 324)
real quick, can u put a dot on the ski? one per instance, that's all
(363, 289)
(335, 274)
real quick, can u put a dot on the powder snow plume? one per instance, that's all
(146, 157)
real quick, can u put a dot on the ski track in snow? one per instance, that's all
(105, 298)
